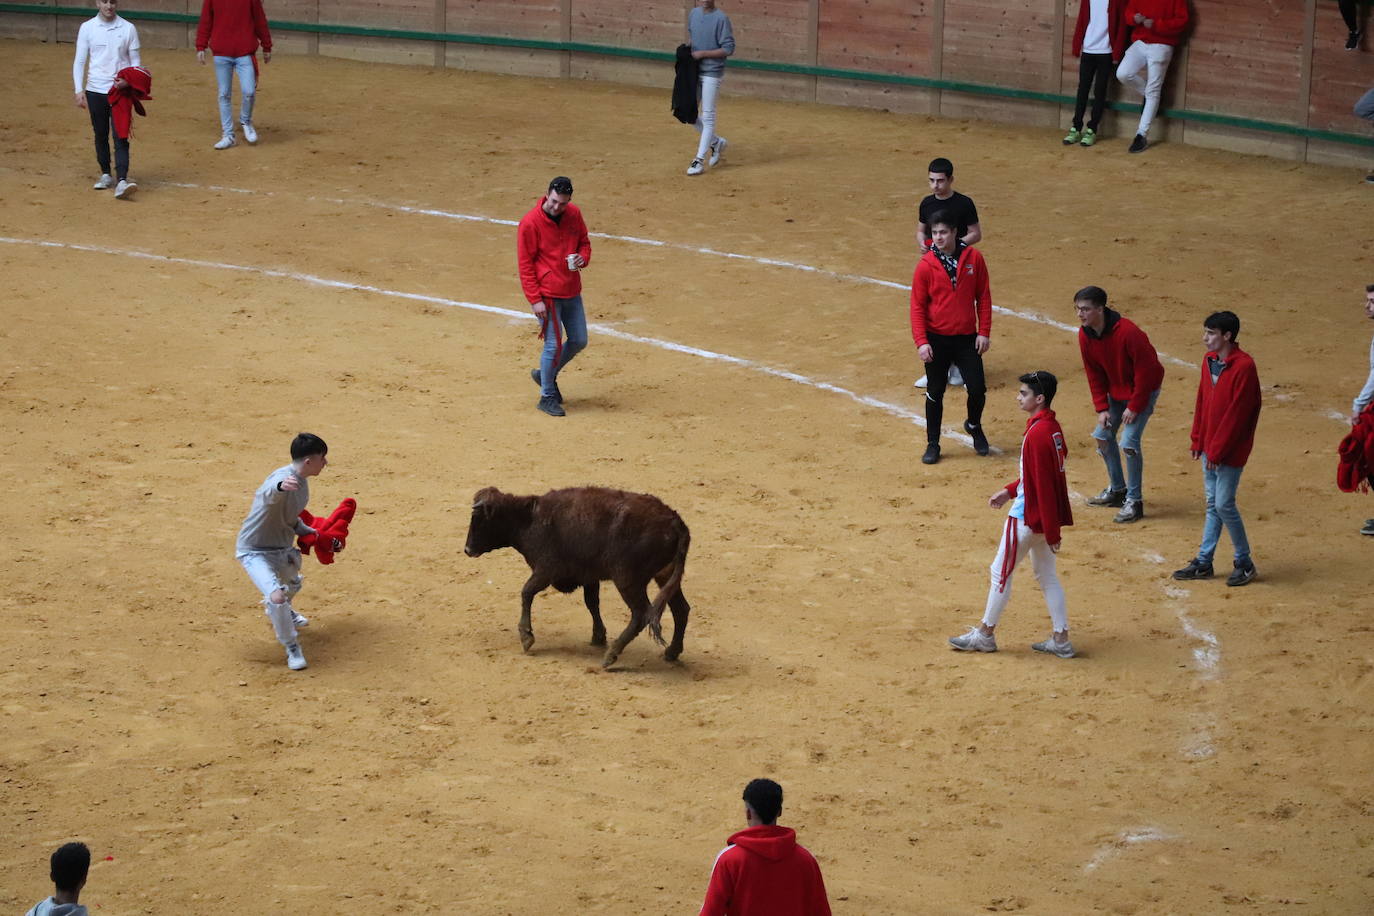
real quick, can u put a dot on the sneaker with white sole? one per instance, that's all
(1109, 497)
(717, 150)
(974, 641)
(696, 167)
(225, 142)
(1242, 575)
(1132, 510)
(125, 189)
(104, 184)
(249, 132)
(300, 621)
(920, 382)
(295, 658)
(1054, 647)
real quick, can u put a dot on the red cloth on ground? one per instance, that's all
(1047, 489)
(327, 531)
(1355, 470)
(126, 100)
(765, 872)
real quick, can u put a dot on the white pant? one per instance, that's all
(1017, 541)
(706, 114)
(280, 569)
(1154, 59)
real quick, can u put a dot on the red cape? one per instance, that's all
(331, 534)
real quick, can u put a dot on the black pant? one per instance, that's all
(1093, 70)
(958, 350)
(99, 106)
(1348, 13)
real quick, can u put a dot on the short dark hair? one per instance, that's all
(943, 166)
(561, 185)
(1224, 322)
(944, 218)
(69, 865)
(1369, 288)
(1041, 382)
(765, 797)
(1094, 294)
(307, 444)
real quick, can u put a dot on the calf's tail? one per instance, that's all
(673, 585)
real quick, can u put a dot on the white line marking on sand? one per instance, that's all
(1125, 840)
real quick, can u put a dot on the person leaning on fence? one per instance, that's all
(1099, 40)
(1157, 26)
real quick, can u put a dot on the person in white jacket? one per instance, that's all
(110, 43)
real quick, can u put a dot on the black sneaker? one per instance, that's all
(1368, 526)
(1352, 43)
(932, 454)
(1108, 497)
(1132, 510)
(1139, 144)
(980, 441)
(1195, 569)
(551, 407)
(1242, 575)
(539, 380)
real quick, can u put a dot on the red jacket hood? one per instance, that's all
(770, 841)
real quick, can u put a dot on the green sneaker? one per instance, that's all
(1072, 136)
(1089, 137)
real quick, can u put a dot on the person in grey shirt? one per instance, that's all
(1366, 395)
(266, 547)
(712, 41)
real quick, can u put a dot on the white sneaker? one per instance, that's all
(125, 189)
(295, 658)
(696, 167)
(920, 382)
(104, 184)
(955, 378)
(300, 621)
(1054, 647)
(225, 142)
(974, 641)
(249, 133)
(717, 150)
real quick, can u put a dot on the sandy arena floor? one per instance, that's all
(1210, 752)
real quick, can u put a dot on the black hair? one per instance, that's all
(765, 797)
(1369, 288)
(1094, 294)
(1224, 322)
(307, 444)
(943, 166)
(944, 218)
(1041, 382)
(561, 185)
(69, 865)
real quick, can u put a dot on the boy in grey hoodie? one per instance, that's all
(69, 865)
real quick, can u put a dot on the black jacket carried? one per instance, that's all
(685, 86)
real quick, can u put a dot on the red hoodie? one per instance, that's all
(1120, 362)
(542, 249)
(1042, 466)
(939, 307)
(1116, 28)
(233, 28)
(1170, 20)
(765, 872)
(1227, 413)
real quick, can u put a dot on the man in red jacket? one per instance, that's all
(552, 247)
(1158, 25)
(1124, 376)
(764, 871)
(1224, 421)
(1039, 511)
(951, 322)
(232, 30)
(1099, 40)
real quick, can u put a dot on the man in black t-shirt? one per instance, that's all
(958, 205)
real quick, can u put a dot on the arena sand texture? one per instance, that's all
(1209, 752)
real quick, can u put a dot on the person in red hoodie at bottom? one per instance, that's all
(551, 248)
(1039, 510)
(951, 323)
(764, 871)
(1224, 421)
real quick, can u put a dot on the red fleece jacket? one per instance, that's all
(765, 872)
(1116, 28)
(1227, 413)
(233, 28)
(542, 249)
(1047, 489)
(1121, 363)
(1169, 20)
(331, 534)
(939, 307)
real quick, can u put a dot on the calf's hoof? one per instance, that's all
(526, 641)
(672, 652)
(599, 639)
(609, 659)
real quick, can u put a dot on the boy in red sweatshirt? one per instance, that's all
(1039, 510)
(1224, 422)
(764, 871)
(1157, 27)
(951, 323)
(232, 30)
(551, 248)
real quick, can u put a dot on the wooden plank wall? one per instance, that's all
(1271, 60)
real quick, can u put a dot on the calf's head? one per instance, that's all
(496, 520)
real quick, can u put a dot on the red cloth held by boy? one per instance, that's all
(331, 534)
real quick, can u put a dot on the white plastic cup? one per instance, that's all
(572, 261)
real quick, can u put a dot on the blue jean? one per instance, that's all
(1220, 485)
(1131, 435)
(573, 320)
(225, 68)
